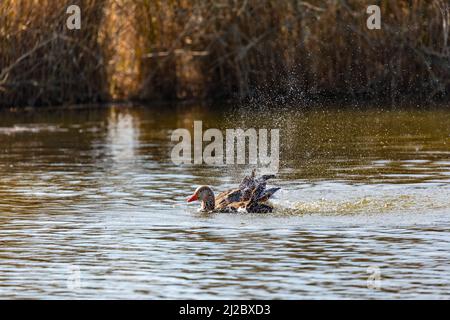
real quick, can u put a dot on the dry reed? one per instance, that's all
(181, 49)
(42, 62)
(294, 48)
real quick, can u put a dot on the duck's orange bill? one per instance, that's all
(192, 198)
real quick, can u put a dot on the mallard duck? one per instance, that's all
(249, 197)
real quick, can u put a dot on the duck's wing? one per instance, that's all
(250, 192)
(238, 205)
(254, 205)
(227, 197)
(258, 189)
(248, 181)
(267, 194)
(258, 192)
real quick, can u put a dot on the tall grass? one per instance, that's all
(42, 62)
(247, 48)
(180, 49)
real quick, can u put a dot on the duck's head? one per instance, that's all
(202, 193)
(205, 195)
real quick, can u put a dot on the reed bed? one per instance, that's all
(183, 49)
(293, 48)
(44, 63)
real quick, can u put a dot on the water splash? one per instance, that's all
(376, 204)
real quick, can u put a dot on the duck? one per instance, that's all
(248, 197)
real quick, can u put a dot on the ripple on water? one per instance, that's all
(95, 197)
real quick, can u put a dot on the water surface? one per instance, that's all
(92, 207)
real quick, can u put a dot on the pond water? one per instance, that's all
(91, 206)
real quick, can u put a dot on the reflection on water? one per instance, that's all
(123, 134)
(92, 207)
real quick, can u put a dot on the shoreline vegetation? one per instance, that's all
(247, 50)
